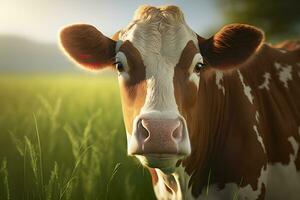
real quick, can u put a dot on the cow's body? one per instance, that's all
(224, 131)
(246, 143)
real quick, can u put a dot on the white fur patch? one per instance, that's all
(170, 181)
(259, 138)
(285, 73)
(182, 183)
(160, 188)
(265, 84)
(257, 116)
(195, 79)
(247, 89)
(283, 51)
(234, 191)
(219, 78)
(284, 180)
(160, 45)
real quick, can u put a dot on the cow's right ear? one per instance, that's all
(87, 46)
(231, 46)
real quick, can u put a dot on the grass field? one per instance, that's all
(62, 137)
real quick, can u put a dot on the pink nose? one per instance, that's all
(158, 136)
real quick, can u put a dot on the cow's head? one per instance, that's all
(158, 59)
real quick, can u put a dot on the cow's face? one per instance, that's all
(158, 59)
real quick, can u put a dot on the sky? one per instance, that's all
(42, 19)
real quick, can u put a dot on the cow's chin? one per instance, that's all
(165, 162)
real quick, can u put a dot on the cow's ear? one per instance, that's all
(87, 46)
(231, 46)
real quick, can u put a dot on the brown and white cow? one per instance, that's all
(215, 118)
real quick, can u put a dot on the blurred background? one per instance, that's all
(29, 29)
(61, 129)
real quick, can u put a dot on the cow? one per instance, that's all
(215, 118)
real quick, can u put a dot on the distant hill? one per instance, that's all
(21, 55)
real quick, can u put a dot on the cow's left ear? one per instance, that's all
(231, 46)
(87, 46)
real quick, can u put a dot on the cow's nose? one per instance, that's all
(165, 130)
(158, 136)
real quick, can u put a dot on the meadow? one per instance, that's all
(62, 137)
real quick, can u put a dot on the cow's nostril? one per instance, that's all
(177, 133)
(144, 134)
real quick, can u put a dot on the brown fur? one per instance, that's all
(133, 91)
(231, 46)
(224, 142)
(290, 45)
(88, 46)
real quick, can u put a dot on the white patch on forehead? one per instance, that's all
(160, 92)
(285, 73)
(247, 89)
(259, 138)
(219, 78)
(160, 44)
(265, 84)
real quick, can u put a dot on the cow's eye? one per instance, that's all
(119, 66)
(198, 67)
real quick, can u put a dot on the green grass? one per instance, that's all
(62, 137)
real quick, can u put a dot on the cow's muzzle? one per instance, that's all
(159, 142)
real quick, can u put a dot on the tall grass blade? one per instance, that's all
(33, 159)
(236, 193)
(40, 158)
(4, 177)
(208, 182)
(117, 167)
(17, 142)
(72, 177)
(53, 184)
